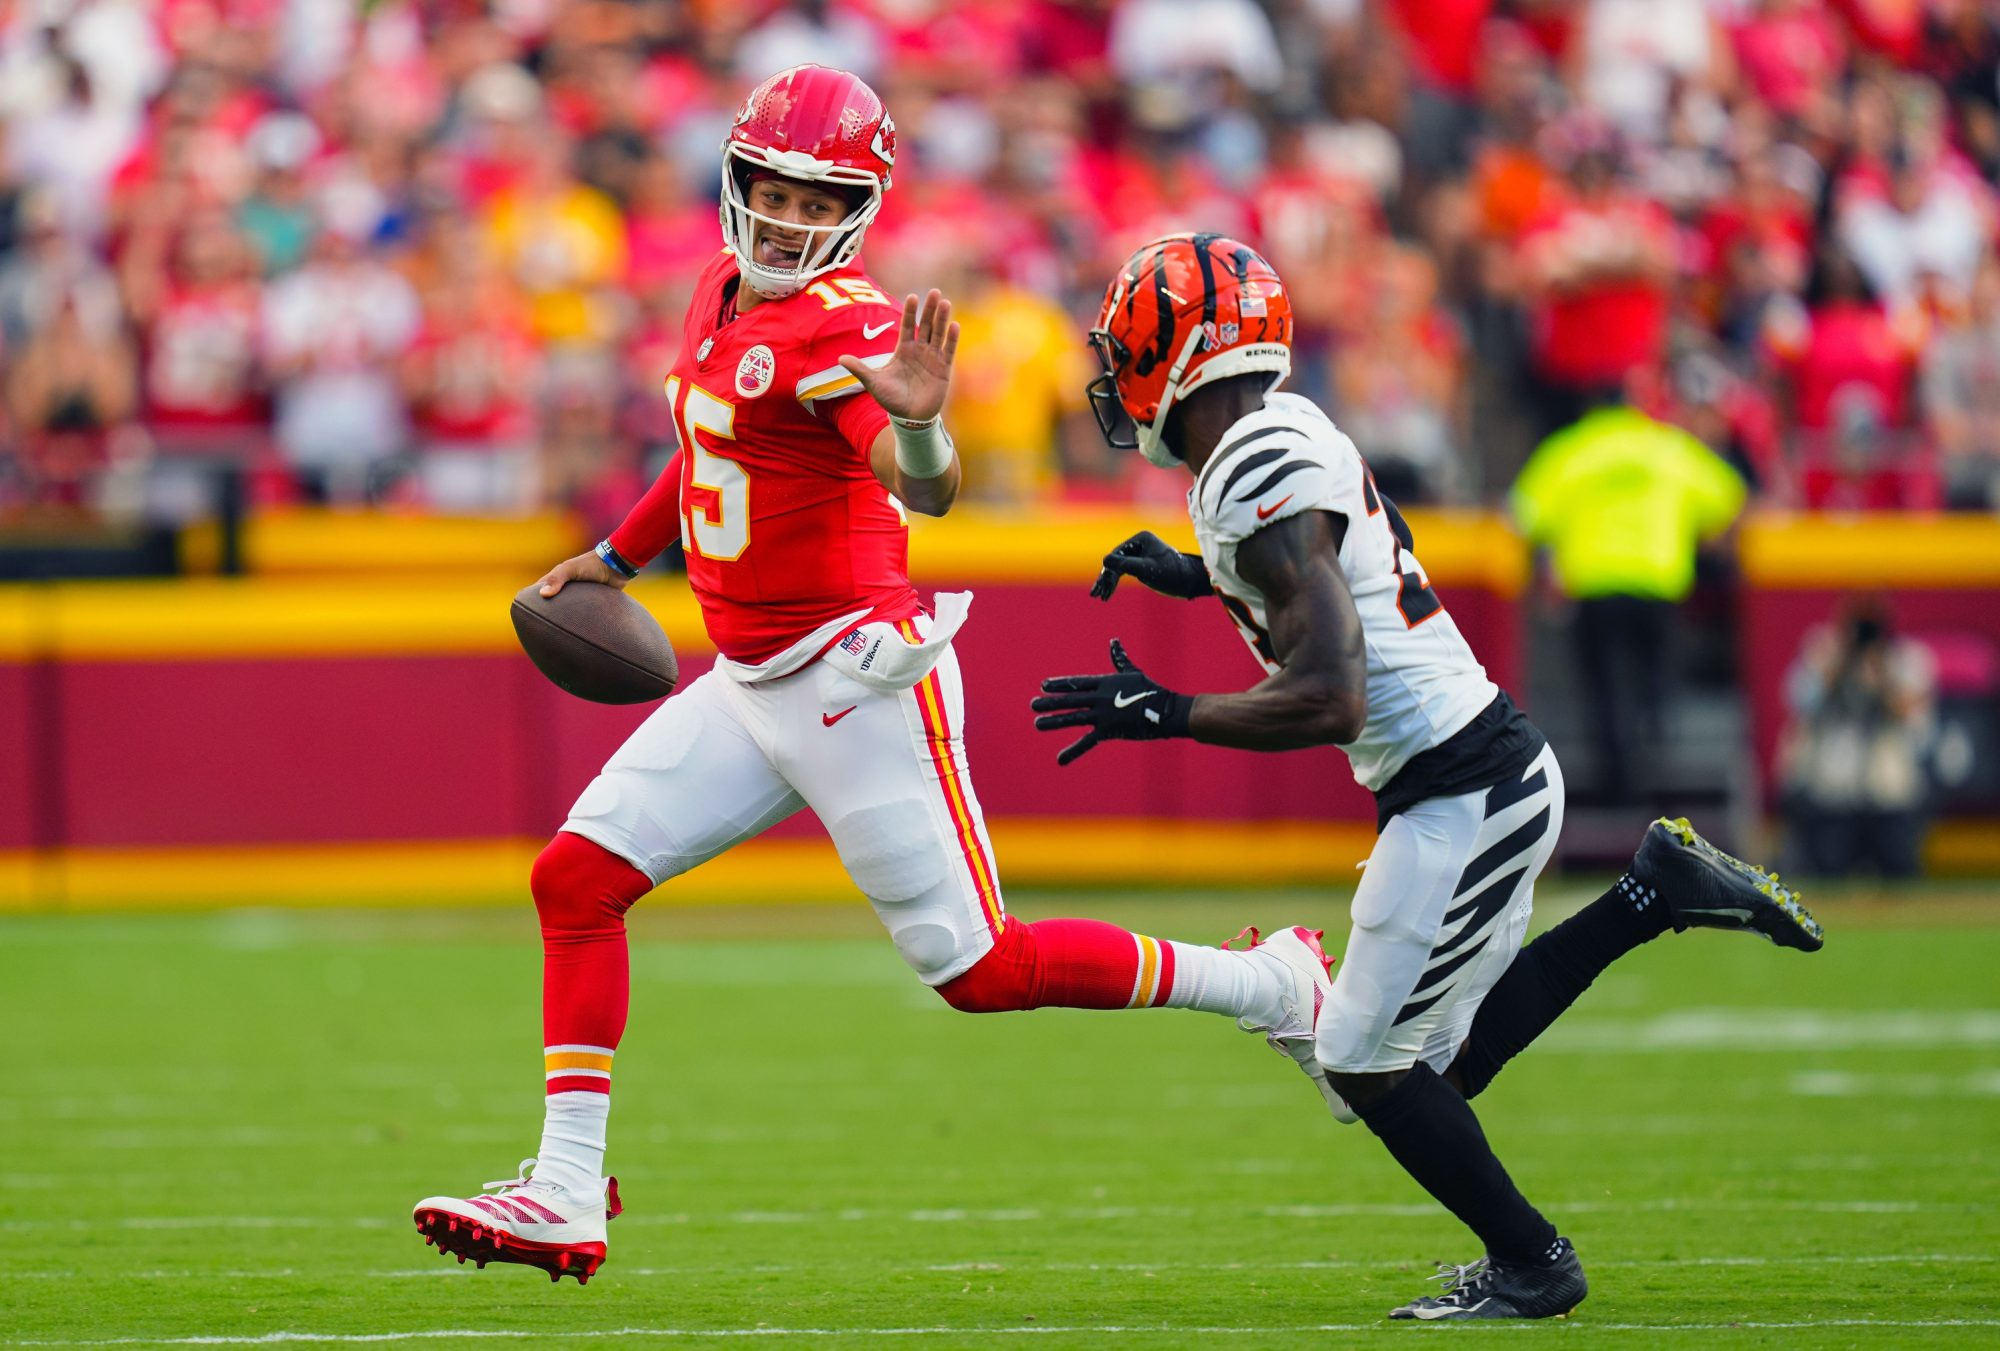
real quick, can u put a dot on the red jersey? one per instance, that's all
(1595, 333)
(785, 524)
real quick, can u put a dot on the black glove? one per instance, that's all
(1152, 561)
(1126, 706)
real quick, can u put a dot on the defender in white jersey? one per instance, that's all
(1318, 570)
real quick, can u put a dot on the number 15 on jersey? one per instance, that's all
(719, 529)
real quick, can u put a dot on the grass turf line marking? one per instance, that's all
(1779, 1030)
(515, 1334)
(954, 1268)
(1882, 1087)
(1287, 1212)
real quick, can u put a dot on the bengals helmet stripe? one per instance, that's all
(1155, 353)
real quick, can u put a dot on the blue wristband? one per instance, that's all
(616, 561)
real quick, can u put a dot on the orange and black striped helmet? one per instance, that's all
(1184, 311)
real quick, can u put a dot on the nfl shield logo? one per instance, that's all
(755, 371)
(853, 643)
(707, 346)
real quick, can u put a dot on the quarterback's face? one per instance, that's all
(793, 202)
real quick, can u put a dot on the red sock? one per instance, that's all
(1065, 963)
(582, 892)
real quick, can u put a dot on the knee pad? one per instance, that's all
(578, 884)
(1005, 980)
(924, 937)
(890, 851)
(901, 869)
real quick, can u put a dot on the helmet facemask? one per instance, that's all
(1120, 432)
(827, 248)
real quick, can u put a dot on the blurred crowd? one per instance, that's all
(434, 253)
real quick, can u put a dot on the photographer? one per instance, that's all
(1853, 762)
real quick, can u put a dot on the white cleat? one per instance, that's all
(1291, 1027)
(524, 1220)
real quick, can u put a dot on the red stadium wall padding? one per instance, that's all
(265, 751)
(18, 756)
(1019, 634)
(214, 749)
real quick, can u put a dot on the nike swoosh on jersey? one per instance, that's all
(1265, 513)
(1125, 701)
(871, 332)
(829, 719)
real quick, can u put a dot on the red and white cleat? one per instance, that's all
(524, 1220)
(1290, 1028)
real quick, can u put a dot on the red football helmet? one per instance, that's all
(1221, 295)
(819, 126)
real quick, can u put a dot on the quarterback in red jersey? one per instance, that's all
(809, 410)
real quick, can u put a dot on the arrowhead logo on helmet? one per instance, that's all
(815, 125)
(1183, 312)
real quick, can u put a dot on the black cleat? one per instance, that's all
(1489, 1288)
(1708, 889)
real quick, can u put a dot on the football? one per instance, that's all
(595, 642)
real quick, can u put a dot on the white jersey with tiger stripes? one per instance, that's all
(1424, 684)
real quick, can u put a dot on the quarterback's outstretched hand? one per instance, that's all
(1151, 561)
(912, 384)
(1127, 705)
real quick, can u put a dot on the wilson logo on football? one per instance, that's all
(755, 371)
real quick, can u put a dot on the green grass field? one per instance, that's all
(214, 1127)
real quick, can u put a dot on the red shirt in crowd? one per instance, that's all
(1592, 333)
(1444, 39)
(1789, 55)
(1847, 350)
(476, 381)
(201, 360)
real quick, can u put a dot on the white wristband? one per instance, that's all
(923, 449)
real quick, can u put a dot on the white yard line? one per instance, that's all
(761, 1269)
(1894, 1087)
(1107, 1330)
(1776, 1031)
(1340, 1210)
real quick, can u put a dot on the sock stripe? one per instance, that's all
(595, 1061)
(576, 1068)
(1166, 975)
(1155, 978)
(1149, 970)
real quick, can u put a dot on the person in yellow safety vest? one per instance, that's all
(1621, 502)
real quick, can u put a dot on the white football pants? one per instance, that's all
(1440, 913)
(721, 761)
